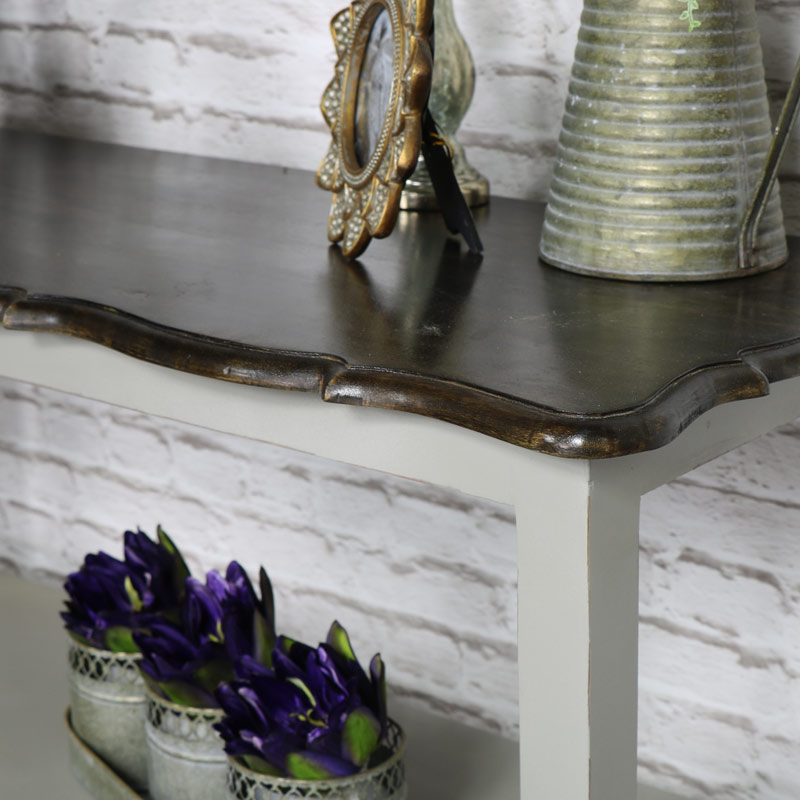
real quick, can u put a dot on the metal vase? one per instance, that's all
(185, 757)
(663, 146)
(107, 708)
(387, 781)
(452, 87)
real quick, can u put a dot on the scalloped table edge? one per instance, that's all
(646, 426)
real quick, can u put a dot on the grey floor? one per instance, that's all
(33, 695)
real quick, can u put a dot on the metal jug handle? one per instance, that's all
(766, 181)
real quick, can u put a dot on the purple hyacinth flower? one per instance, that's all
(201, 611)
(315, 714)
(108, 598)
(221, 620)
(106, 601)
(162, 564)
(180, 668)
(248, 623)
(98, 604)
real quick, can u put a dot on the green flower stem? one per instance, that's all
(688, 15)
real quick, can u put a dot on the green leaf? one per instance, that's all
(81, 639)
(213, 673)
(263, 767)
(381, 754)
(120, 640)
(264, 638)
(171, 615)
(304, 767)
(133, 596)
(304, 689)
(181, 570)
(377, 670)
(340, 641)
(360, 735)
(267, 597)
(182, 693)
(153, 685)
(218, 637)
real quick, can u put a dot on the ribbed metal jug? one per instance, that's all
(666, 162)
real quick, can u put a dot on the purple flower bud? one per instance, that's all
(314, 714)
(108, 599)
(221, 621)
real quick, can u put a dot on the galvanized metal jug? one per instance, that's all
(666, 162)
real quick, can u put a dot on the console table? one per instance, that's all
(568, 397)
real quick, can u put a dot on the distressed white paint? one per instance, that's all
(720, 592)
(577, 550)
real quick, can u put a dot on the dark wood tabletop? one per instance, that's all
(223, 269)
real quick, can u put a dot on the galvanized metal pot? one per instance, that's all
(384, 782)
(107, 708)
(666, 163)
(185, 759)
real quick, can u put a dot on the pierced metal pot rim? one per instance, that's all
(101, 652)
(210, 712)
(396, 756)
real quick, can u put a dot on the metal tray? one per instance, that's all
(94, 774)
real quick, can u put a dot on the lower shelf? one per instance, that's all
(445, 760)
(465, 779)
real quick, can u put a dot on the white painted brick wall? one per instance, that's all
(720, 586)
(720, 626)
(243, 79)
(426, 576)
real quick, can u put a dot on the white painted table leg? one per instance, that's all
(577, 633)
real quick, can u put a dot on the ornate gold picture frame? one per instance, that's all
(374, 107)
